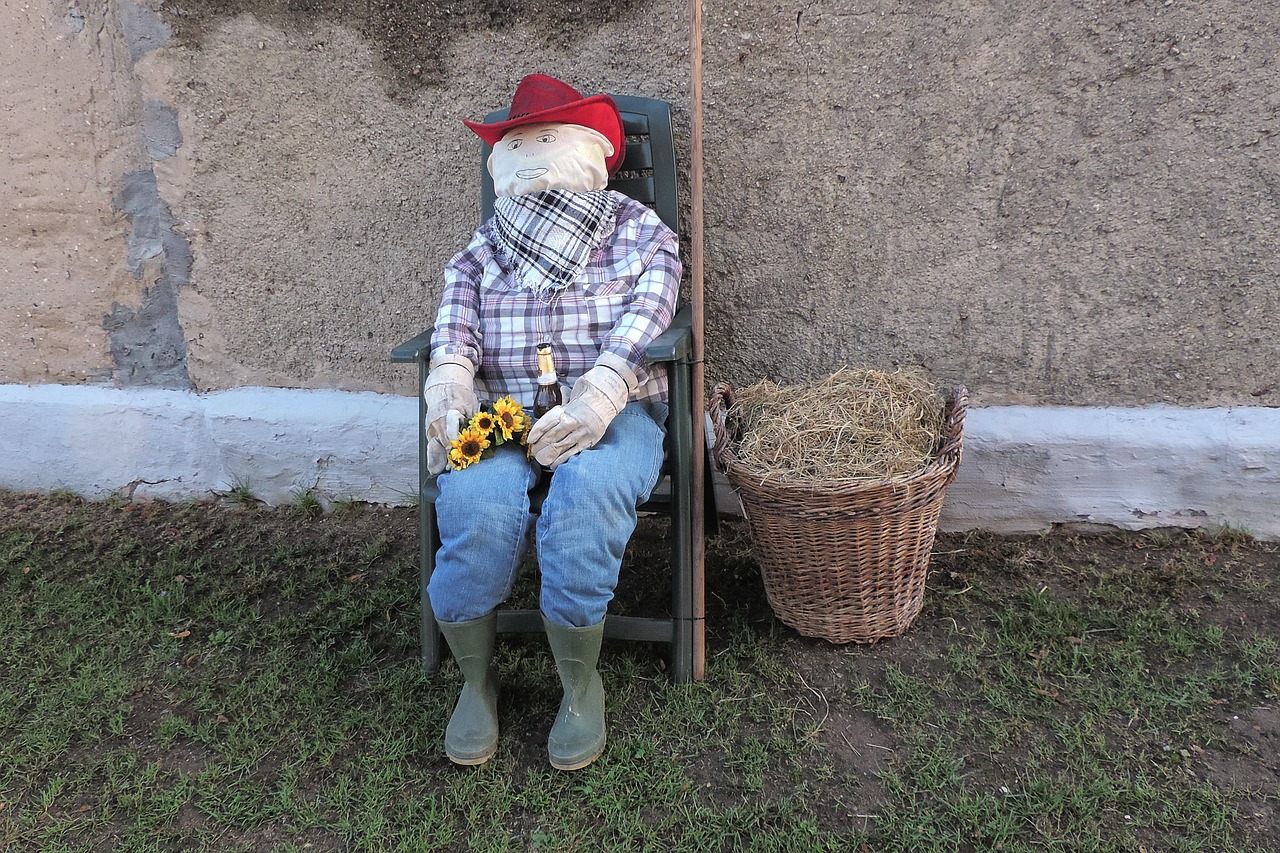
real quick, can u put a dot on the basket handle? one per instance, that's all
(953, 442)
(720, 403)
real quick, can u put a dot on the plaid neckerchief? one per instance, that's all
(547, 237)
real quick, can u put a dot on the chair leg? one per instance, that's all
(428, 542)
(680, 431)
(428, 536)
(681, 600)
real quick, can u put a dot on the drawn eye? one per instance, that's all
(547, 137)
(514, 144)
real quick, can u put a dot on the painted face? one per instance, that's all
(538, 157)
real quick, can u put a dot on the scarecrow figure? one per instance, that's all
(595, 274)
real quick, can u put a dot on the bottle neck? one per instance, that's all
(546, 367)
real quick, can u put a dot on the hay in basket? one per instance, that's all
(841, 480)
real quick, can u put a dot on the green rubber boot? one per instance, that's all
(578, 736)
(472, 734)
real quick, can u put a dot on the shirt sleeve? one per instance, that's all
(457, 326)
(655, 292)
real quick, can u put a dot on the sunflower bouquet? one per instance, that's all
(493, 425)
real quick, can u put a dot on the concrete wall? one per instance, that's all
(1058, 204)
(1071, 204)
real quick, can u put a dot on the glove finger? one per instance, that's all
(569, 439)
(437, 456)
(560, 433)
(544, 425)
(565, 457)
(446, 425)
(552, 455)
(570, 449)
(545, 456)
(452, 424)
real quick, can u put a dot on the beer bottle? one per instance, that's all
(548, 395)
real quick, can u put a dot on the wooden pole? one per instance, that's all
(699, 395)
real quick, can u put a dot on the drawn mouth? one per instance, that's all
(530, 174)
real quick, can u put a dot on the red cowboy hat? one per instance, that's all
(540, 99)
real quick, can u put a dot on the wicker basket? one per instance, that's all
(844, 563)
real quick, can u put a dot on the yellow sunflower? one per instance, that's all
(482, 422)
(467, 447)
(510, 417)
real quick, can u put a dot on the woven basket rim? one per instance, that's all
(945, 464)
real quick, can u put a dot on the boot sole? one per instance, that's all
(580, 763)
(472, 760)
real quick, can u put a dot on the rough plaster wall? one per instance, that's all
(328, 200)
(1069, 208)
(1065, 204)
(62, 138)
(1056, 203)
(90, 259)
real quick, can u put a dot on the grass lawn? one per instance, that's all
(218, 676)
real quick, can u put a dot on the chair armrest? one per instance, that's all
(676, 342)
(409, 350)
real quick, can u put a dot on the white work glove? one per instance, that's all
(450, 395)
(596, 399)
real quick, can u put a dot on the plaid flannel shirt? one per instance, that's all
(623, 300)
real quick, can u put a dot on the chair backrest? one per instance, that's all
(648, 171)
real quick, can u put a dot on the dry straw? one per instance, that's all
(856, 424)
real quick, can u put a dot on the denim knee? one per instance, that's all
(590, 514)
(484, 521)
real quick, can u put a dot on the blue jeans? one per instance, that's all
(586, 520)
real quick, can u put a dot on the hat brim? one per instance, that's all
(598, 112)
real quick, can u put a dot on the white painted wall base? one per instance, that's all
(176, 445)
(1024, 468)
